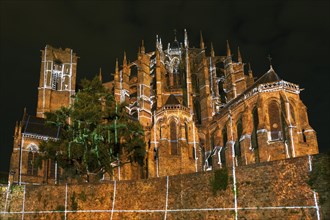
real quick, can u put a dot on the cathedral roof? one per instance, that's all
(37, 126)
(172, 100)
(269, 76)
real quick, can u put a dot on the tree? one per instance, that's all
(96, 134)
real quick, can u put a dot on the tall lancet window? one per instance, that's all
(52, 169)
(32, 160)
(30, 163)
(174, 138)
(186, 131)
(35, 166)
(224, 143)
(254, 136)
(197, 110)
(56, 75)
(274, 120)
(239, 132)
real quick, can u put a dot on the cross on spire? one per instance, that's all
(270, 59)
(174, 30)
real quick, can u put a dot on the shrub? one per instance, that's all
(219, 180)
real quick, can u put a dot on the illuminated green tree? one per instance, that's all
(96, 134)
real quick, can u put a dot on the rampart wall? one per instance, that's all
(270, 190)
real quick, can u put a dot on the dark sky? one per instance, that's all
(294, 33)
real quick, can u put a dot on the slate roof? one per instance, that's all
(37, 126)
(172, 100)
(268, 77)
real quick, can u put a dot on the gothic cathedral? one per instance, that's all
(199, 112)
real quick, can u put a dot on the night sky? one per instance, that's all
(294, 33)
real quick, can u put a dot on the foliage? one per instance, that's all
(219, 180)
(319, 177)
(60, 208)
(96, 134)
(74, 203)
(16, 188)
(82, 196)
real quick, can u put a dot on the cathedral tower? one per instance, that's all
(57, 79)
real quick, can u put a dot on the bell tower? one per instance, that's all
(57, 79)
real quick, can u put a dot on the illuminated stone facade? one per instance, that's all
(56, 86)
(199, 111)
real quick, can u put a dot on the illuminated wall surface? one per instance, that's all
(273, 190)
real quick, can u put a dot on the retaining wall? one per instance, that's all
(272, 190)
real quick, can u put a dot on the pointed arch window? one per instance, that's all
(173, 138)
(32, 163)
(56, 74)
(186, 131)
(275, 120)
(254, 135)
(239, 131)
(32, 166)
(224, 136)
(222, 92)
(224, 142)
(197, 109)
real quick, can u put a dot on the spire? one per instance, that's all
(250, 70)
(116, 70)
(124, 60)
(239, 57)
(228, 50)
(157, 41)
(175, 35)
(212, 50)
(201, 44)
(16, 129)
(160, 44)
(186, 41)
(142, 47)
(100, 75)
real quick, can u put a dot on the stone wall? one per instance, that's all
(273, 190)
